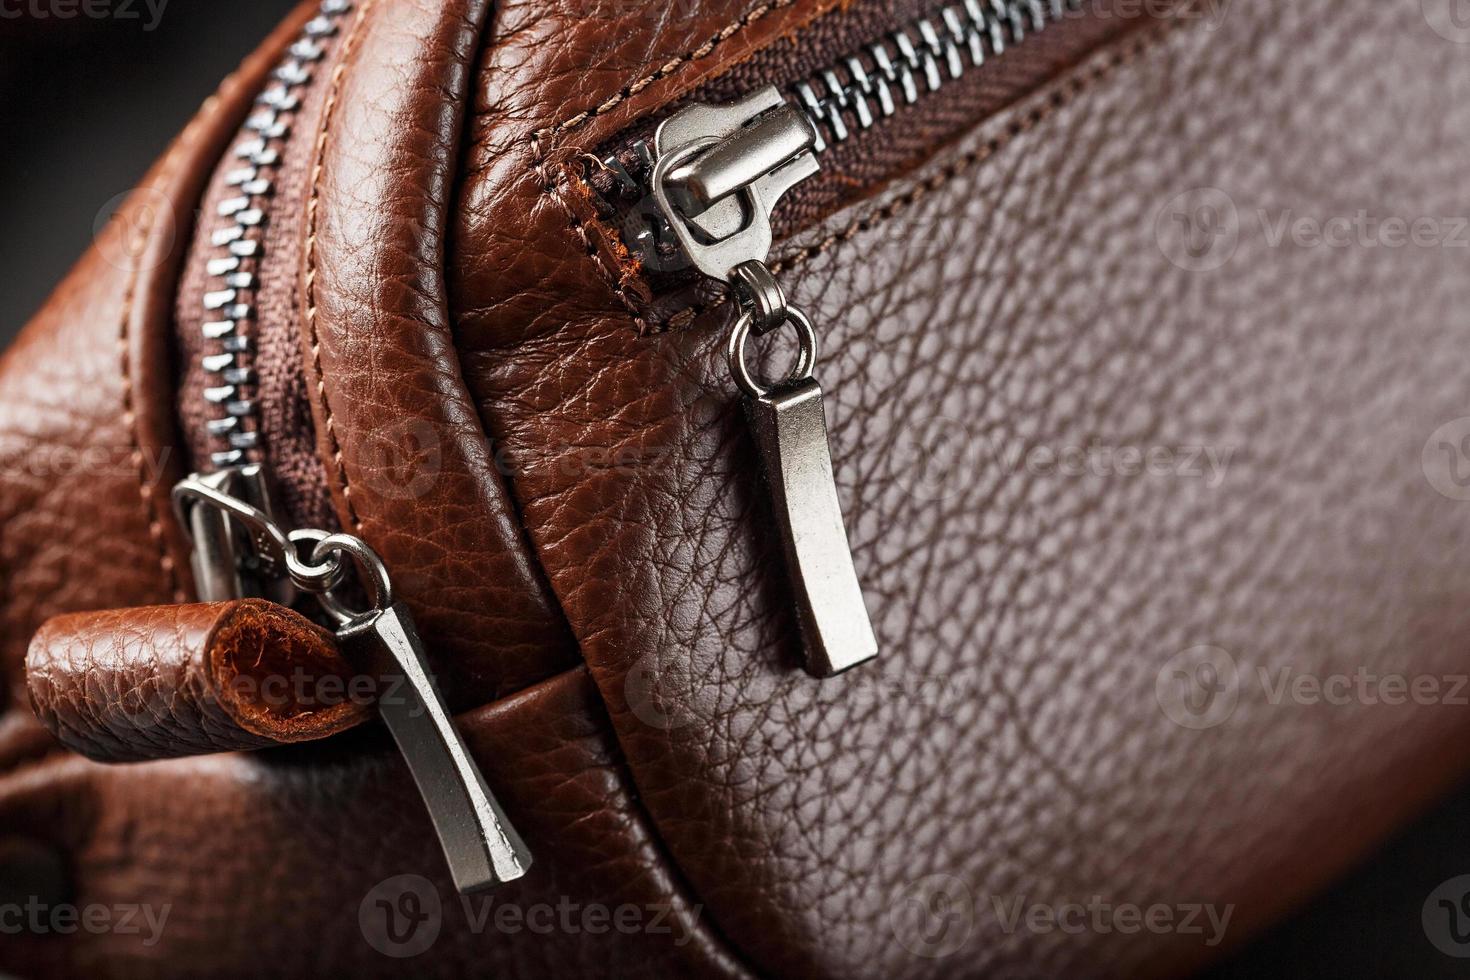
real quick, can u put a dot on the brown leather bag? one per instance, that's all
(1138, 335)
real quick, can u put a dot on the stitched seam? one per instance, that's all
(313, 207)
(604, 268)
(671, 67)
(1060, 97)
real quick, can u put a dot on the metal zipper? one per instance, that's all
(225, 565)
(875, 82)
(715, 174)
(232, 273)
(239, 547)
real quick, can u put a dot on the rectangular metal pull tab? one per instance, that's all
(482, 847)
(790, 428)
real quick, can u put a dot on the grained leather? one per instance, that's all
(1016, 291)
(558, 80)
(158, 682)
(273, 862)
(86, 415)
(295, 841)
(379, 355)
(1011, 739)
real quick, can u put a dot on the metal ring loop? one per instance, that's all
(806, 357)
(761, 295)
(317, 578)
(369, 566)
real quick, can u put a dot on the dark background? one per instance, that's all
(85, 107)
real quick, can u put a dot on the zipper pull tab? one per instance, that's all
(789, 424)
(718, 173)
(482, 847)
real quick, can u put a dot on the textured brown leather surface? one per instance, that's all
(1017, 291)
(274, 862)
(163, 681)
(86, 414)
(380, 360)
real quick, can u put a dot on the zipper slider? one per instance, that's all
(482, 847)
(717, 175)
(719, 171)
(226, 564)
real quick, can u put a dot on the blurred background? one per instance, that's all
(85, 107)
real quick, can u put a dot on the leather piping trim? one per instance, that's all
(130, 422)
(313, 207)
(656, 841)
(369, 53)
(129, 331)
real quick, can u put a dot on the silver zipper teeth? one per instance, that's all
(231, 284)
(871, 84)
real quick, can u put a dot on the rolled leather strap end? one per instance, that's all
(167, 681)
